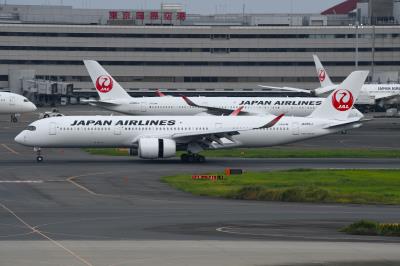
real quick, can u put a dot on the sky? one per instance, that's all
(197, 6)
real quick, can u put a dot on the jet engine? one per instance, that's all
(152, 148)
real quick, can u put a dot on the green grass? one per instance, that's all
(107, 151)
(301, 185)
(372, 228)
(277, 153)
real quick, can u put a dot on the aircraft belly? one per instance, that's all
(261, 138)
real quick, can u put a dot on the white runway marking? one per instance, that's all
(21, 181)
(34, 230)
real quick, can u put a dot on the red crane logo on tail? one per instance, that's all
(342, 100)
(104, 84)
(321, 75)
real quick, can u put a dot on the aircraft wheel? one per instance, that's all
(191, 158)
(201, 158)
(184, 157)
(39, 159)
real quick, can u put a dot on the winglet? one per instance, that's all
(159, 93)
(237, 111)
(272, 122)
(188, 101)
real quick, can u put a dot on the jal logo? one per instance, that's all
(104, 84)
(321, 75)
(342, 100)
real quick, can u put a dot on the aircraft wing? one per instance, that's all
(205, 139)
(213, 139)
(214, 110)
(387, 96)
(286, 89)
(101, 103)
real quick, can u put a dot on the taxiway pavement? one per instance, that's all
(79, 209)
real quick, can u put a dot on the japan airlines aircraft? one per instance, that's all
(11, 103)
(113, 97)
(154, 137)
(381, 94)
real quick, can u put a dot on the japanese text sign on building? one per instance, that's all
(112, 15)
(126, 15)
(168, 15)
(153, 15)
(181, 16)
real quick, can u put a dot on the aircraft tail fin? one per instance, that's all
(106, 86)
(339, 103)
(323, 76)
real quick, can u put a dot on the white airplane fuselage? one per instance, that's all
(124, 131)
(11, 103)
(371, 93)
(296, 106)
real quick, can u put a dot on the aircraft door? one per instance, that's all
(134, 107)
(295, 128)
(218, 125)
(117, 131)
(12, 100)
(52, 128)
(143, 107)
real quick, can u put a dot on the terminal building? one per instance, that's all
(175, 52)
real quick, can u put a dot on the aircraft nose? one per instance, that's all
(20, 138)
(32, 107)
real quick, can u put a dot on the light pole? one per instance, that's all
(356, 26)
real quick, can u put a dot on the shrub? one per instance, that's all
(301, 194)
(362, 227)
(386, 229)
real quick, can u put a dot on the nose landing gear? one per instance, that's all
(192, 158)
(39, 157)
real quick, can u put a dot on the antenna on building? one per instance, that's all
(291, 12)
(243, 12)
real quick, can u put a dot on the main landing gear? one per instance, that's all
(39, 157)
(192, 158)
(14, 118)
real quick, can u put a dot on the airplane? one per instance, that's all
(11, 103)
(114, 98)
(381, 94)
(153, 137)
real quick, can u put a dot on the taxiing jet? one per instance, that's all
(153, 137)
(113, 97)
(11, 103)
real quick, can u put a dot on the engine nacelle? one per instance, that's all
(152, 148)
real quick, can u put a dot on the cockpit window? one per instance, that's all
(26, 100)
(31, 128)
